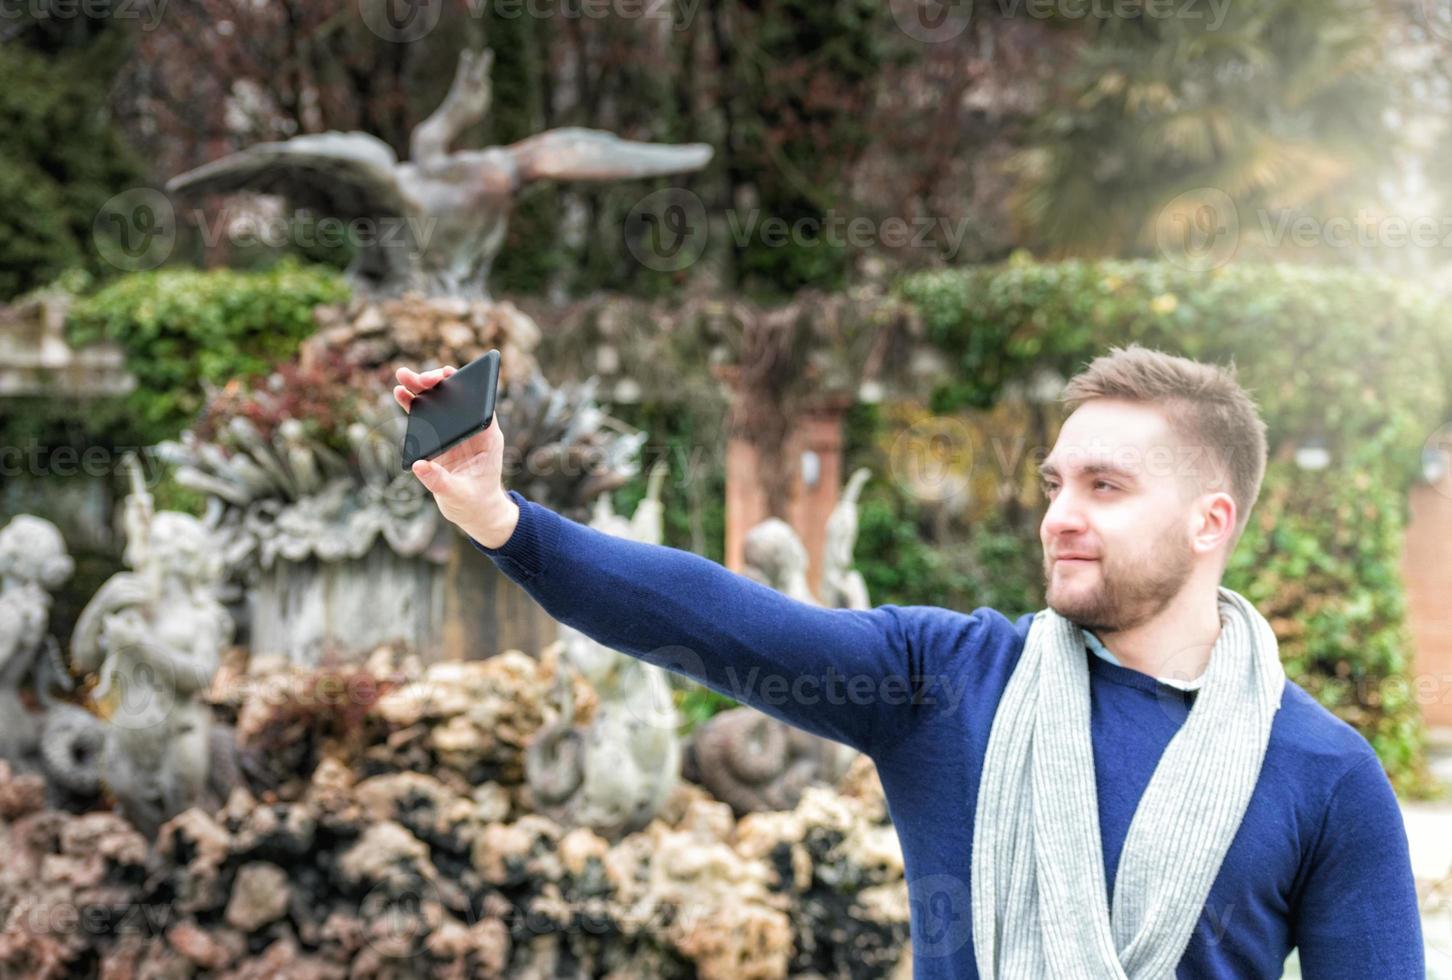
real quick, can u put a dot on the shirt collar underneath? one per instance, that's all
(1098, 648)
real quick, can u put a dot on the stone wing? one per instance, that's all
(573, 153)
(341, 175)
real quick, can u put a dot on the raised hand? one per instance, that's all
(466, 480)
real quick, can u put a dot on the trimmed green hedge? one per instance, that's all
(181, 327)
(1360, 361)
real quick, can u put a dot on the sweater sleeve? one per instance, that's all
(1357, 916)
(838, 673)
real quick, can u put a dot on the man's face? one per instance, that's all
(1121, 491)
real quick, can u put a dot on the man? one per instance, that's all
(1063, 811)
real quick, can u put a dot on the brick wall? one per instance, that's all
(1427, 571)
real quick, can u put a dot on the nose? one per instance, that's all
(1064, 517)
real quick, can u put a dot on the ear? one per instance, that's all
(1215, 519)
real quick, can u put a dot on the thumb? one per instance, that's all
(437, 479)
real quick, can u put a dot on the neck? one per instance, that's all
(1176, 642)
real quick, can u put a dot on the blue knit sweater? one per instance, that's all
(1320, 861)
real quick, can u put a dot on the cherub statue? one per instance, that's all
(744, 757)
(843, 586)
(614, 775)
(154, 635)
(33, 560)
(774, 556)
(440, 218)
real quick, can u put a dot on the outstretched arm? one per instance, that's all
(842, 674)
(847, 675)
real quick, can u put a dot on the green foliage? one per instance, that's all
(1356, 360)
(693, 495)
(800, 78)
(901, 555)
(1283, 105)
(697, 703)
(182, 329)
(61, 157)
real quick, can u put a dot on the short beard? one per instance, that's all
(1126, 597)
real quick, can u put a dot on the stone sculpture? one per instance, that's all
(290, 497)
(744, 757)
(439, 219)
(754, 762)
(154, 635)
(33, 560)
(615, 773)
(842, 585)
(298, 525)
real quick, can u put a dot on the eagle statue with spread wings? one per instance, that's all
(434, 223)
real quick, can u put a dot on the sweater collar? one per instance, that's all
(1114, 670)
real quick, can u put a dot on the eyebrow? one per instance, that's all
(1095, 469)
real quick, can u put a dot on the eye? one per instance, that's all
(1105, 483)
(1047, 486)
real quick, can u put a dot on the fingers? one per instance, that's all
(414, 382)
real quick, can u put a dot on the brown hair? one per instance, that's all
(1204, 405)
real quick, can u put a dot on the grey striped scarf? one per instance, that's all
(1038, 888)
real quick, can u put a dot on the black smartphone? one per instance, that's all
(452, 410)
